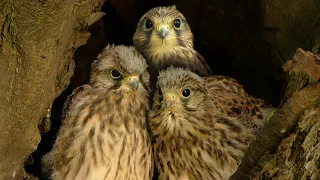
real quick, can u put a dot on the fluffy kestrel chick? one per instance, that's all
(195, 137)
(164, 38)
(104, 133)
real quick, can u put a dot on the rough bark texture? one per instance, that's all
(37, 42)
(298, 155)
(277, 128)
(304, 68)
(249, 40)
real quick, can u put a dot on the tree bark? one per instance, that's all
(38, 39)
(297, 156)
(270, 155)
(283, 121)
(37, 42)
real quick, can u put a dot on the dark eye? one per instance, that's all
(148, 24)
(177, 23)
(115, 74)
(186, 92)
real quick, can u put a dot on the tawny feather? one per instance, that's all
(201, 126)
(167, 42)
(104, 131)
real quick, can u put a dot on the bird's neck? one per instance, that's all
(160, 53)
(125, 104)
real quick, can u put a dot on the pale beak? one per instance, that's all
(133, 82)
(163, 32)
(168, 103)
(169, 100)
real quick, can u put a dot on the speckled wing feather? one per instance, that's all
(230, 98)
(206, 68)
(74, 97)
(193, 138)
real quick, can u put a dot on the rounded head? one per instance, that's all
(162, 30)
(120, 67)
(176, 77)
(180, 97)
(181, 87)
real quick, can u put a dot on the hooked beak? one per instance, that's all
(168, 103)
(133, 82)
(169, 100)
(163, 32)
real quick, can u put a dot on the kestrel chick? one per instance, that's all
(230, 98)
(104, 133)
(195, 136)
(164, 38)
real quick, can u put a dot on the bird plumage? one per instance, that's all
(104, 132)
(199, 131)
(229, 97)
(164, 38)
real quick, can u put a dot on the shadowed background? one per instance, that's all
(247, 40)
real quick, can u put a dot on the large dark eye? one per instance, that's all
(186, 92)
(177, 23)
(148, 24)
(115, 74)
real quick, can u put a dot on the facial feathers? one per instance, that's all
(200, 125)
(104, 131)
(126, 60)
(164, 38)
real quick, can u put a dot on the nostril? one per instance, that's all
(173, 97)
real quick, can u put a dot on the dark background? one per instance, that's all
(239, 39)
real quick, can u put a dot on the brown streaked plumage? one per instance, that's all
(200, 125)
(104, 131)
(164, 38)
(230, 98)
